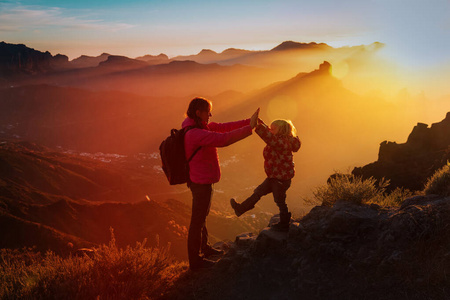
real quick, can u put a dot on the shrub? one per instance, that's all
(394, 198)
(110, 273)
(348, 187)
(439, 183)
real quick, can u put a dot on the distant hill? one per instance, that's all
(209, 56)
(86, 121)
(175, 78)
(122, 63)
(290, 45)
(38, 175)
(49, 198)
(85, 61)
(155, 59)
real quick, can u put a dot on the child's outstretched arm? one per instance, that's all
(264, 133)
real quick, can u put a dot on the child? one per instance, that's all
(281, 140)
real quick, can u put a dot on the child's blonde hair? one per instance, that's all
(285, 127)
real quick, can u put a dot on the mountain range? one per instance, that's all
(80, 138)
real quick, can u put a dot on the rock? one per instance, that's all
(245, 239)
(410, 164)
(269, 239)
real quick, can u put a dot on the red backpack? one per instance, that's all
(173, 157)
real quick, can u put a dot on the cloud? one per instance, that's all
(16, 18)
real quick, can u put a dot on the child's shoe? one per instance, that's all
(283, 225)
(237, 207)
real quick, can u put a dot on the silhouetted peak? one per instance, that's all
(103, 55)
(122, 62)
(89, 61)
(118, 58)
(207, 51)
(183, 63)
(289, 45)
(234, 51)
(61, 58)
(325, 67)
(148, 56)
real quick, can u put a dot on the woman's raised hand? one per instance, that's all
(254, 119)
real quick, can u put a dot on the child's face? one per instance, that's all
(274, 129)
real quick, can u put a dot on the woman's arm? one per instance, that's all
(202, 137)
(226, 127)
(229, 126)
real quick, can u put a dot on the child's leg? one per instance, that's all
(279, 188)
(249, 203)
(279, 194)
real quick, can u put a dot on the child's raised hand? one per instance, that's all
(254, 119)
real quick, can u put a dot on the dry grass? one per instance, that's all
(355, 189)
(439, 183)
(109, 273)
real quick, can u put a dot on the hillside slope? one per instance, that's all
(51, 199)
(347, 251)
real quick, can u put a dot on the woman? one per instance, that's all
(204, 170)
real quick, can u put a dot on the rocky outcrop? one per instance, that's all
(410, 164)
(18, 59)
(347, 251)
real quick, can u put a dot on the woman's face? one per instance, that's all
(204, 115)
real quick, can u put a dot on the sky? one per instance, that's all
(416, 32)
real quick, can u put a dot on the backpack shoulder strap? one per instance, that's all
(196, 150)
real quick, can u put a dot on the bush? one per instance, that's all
(439, 183)
(351, 188)
(394, 198)
(348, 187)
(110, 273)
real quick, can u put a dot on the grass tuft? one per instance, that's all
(354, 189)
(439, 183)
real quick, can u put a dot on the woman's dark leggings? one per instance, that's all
(198, 234)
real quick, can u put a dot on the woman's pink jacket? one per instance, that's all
(204, 166)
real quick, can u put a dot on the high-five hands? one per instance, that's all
(254, 119)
